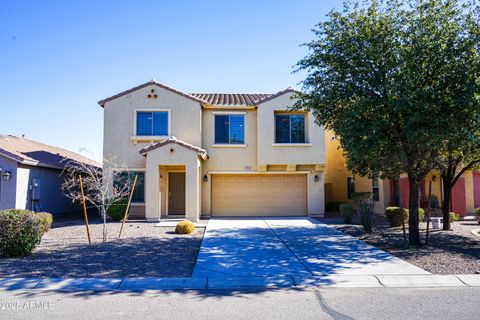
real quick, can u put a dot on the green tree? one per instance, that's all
(383, 76)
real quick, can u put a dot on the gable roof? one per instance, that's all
(201, 152)
(149, 83)
(248, 99)
(35, 153)
(216, 99)
(278, 94)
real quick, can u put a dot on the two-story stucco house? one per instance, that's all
(216, 154)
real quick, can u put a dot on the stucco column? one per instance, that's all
(152, 190)
(315, 197)
(192, 191)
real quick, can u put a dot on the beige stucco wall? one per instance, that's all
(294, 154)
(185, 123)
(119, 122)
(239, 157)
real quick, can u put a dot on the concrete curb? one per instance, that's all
(231, 283)
(419, 281)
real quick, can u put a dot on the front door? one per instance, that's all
(176, 193)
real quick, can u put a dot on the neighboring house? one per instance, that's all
(30, 175)
(340, 184)
(216, 154)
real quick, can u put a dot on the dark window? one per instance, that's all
(350, 187)
(230, 129)
(289, 128)
(152, 123)
(375, 189)
(129, 177)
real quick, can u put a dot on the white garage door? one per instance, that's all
(259, 195)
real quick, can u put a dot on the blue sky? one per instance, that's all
(58, 58)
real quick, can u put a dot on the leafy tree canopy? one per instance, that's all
(394, 80)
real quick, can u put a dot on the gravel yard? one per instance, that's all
(448, 252)
(143, 251)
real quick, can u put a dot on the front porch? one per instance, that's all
(173, 171)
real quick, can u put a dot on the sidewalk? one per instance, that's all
(254, 283)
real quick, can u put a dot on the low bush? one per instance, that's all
(394, 216)
(454, 217)
(346, 209)
(20, 232)
(116, 211)
(184, 227)
(46, 220)
(421, 214)
(333, 206)
(477, 214)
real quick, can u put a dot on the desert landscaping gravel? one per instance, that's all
(448, 252)
(143, 251)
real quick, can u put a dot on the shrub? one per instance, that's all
(46, 220)
(454, 217)
(20, 232)
(421, 214)
(394, 216)
(333, 206)
(184, 227)
(117, 210)
(346, 209)
(477, 214)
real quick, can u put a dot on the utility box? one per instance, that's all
(35, 189)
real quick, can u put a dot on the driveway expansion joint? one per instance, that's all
(286, 246)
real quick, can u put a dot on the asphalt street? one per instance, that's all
(331, 303)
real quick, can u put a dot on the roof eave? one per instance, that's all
(151, 82)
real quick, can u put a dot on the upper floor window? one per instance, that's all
(229, 129)
(289, 128)
(152, 123)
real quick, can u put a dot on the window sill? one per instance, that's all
(291, 145)
(137, 204)
(136, 139)
(229, 145)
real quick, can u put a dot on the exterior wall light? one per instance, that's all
(205, 178)
(317, 178)
(6, 175)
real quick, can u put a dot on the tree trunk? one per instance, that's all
(104, 216)
(413, 221)
(447, 198)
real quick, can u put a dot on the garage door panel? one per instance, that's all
(256, 195)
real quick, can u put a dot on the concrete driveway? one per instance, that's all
(286, 248)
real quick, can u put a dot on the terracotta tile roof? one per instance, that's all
(35, 153)
(200, 151)
(238, 99)
(273, 96)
